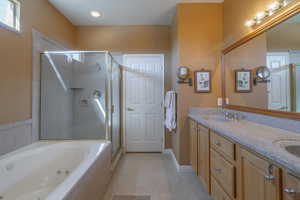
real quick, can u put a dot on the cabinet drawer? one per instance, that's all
(223, 145)
(217, 192)
(223, 172)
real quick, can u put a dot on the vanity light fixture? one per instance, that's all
(272, 8)
(259, 17)
(95, 14)
(250, 23)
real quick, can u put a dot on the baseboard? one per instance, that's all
(179, 168)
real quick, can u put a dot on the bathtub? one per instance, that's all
(75, 170)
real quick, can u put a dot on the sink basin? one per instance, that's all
(293, 149)
(292, 146)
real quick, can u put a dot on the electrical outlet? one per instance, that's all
(220, 101)
(227, 100)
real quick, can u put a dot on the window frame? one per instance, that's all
(17, 18)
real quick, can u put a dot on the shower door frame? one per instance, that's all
(115, 155)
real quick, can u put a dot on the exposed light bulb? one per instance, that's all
(274, 6)
(284, 3)
(260, 16)
(249, 23)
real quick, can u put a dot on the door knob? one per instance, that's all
(130, 109)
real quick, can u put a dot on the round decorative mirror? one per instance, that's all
(263, 73)
(183, 73)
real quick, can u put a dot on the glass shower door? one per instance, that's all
(74, 95)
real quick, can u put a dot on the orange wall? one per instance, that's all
(149, 38)
(284, 37)
(200, 37)
(16, 54)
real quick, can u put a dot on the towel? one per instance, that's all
(170, 105)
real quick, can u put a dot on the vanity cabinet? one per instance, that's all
(260, 180)
(230, 171)
(203, 156)
(194, 145)
(291, 186)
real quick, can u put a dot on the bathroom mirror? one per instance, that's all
(273, 57)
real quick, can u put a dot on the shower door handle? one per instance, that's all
(130, 109)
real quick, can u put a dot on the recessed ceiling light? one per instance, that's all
(95, 14)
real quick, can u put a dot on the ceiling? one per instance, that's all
(120, 12)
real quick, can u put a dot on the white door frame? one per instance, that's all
(124, 97)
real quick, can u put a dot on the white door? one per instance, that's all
(279, 86)
(144, 94)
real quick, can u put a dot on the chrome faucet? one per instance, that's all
(234, 116)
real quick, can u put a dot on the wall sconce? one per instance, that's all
(183, 76)
(272, 8)
(263, 75)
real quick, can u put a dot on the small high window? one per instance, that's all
(10, 14)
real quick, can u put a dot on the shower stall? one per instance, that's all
(80, 97)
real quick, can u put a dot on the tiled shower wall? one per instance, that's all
(14, 136)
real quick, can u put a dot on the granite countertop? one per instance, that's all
(254, 136)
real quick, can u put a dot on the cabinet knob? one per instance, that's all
(270, 177)
(218, 144)
(289, 191)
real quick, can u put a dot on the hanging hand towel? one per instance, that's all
(170, 104)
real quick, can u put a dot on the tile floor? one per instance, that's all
(154, 175)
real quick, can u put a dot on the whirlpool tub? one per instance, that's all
(75, 170)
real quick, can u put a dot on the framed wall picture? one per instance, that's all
(243, 81)
(203, 81)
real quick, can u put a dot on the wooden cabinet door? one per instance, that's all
(203, 156)
(194, 146)
(260, 179)
(217, 192)
(291, 187)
